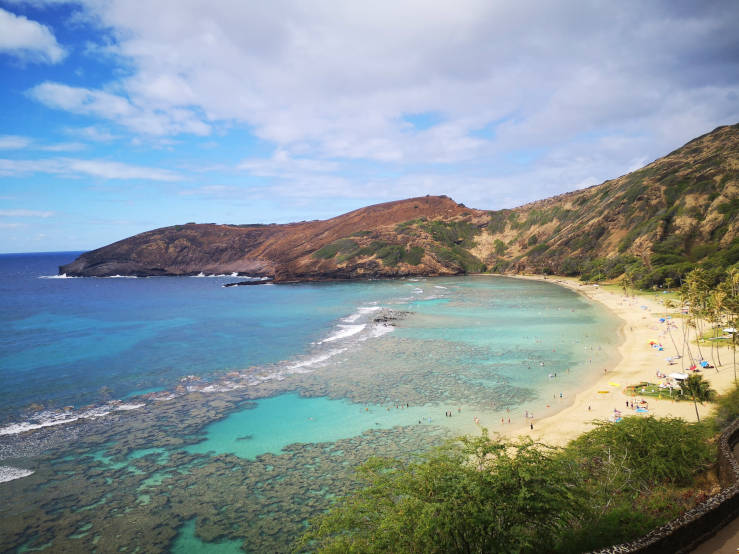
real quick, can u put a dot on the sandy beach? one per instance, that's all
(639, 362)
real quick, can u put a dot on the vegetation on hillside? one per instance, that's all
(654, 224)
(347, 249)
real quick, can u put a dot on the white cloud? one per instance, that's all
(25, 213)
(281, 164)
(119, 109)
(92, 133)
(220, 191)
(589, 88)
(64, 147)
(70, 167)
(28, 40)
(13, 142)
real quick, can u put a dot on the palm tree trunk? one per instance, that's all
(695, 404)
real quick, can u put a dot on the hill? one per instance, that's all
(360, 244)
(653, 224)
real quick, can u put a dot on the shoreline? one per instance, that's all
(638, 362)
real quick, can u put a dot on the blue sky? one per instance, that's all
(119, 116)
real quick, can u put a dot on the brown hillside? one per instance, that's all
(281, 251)
(652, 224)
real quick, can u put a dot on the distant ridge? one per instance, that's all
(653, 224)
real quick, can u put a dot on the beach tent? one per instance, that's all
(662, 319)
(678, 376)
(704, 364)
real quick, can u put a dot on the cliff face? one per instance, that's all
(675, 212)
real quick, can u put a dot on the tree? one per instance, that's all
(698, 390)
(730, 289)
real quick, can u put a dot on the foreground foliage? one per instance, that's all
(477, 495)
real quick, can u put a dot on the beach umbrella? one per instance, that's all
(662, 320)
(730, 330)
(704, 364)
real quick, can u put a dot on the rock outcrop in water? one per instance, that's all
(675, 212)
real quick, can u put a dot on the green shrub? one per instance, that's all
(470, 496)
(498, 221)
(413, 255)
(647, 450)
(330, 250)
(452, 233)
(727, 409)
(460, 258)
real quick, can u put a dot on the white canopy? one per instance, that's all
(730, 330)
(679, 376)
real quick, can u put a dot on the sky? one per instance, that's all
(120, 116)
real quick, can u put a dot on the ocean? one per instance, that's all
(179, 415)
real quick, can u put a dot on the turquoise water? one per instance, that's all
(282, 420)
(187, 542)
(290, 387)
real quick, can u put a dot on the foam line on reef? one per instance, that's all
(8, 473)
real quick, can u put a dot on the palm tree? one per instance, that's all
(715, 312)
(698, 390)
(669, 306)
(729, 290)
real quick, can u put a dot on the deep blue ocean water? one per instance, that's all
(63, 340)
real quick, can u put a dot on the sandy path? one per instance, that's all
(639, 362)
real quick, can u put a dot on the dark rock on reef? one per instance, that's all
(249, 282)
(389, 317)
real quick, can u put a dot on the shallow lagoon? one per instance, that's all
(246, 457)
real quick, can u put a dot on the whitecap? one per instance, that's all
(127, 407)
(379, 330)
(8, 473)
(300, 366)
(359, 313)
(62, 276)
(51, 418)
(439, 287)
(345, 331)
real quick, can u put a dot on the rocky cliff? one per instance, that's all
(653, 224)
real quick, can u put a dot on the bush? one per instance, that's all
(728, 408)
(648, 450)
(460, 258)
(330, 250)
(610, 485)
(452, 233)
(471, 496)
